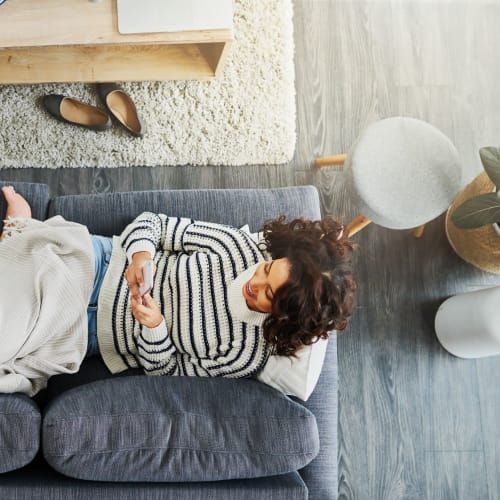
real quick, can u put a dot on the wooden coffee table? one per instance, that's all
(78, 41)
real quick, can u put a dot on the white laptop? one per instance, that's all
(156, 16)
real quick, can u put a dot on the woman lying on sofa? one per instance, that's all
(219, 305)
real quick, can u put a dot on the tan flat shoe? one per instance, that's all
(121, 106)
(69, 110)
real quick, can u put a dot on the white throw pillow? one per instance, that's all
(295, 376)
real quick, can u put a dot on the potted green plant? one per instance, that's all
(483, 208)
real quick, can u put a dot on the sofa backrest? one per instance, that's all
(107, 214)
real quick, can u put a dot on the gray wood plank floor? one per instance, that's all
(415, 422)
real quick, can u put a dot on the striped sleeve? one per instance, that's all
(234, 247)
(156, 350)
(143, 234)
(245, 357)
(189, 236)
(149, 232)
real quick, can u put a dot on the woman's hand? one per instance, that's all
(133, 274)
(146, 311)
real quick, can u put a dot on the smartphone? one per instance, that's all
(147, 273)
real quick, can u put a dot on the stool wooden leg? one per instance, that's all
(419, 231)
(326, 161)
(357, 224)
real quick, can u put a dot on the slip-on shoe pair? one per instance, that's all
(116, 100)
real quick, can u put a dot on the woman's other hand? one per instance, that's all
(146, 311)
(133, 274)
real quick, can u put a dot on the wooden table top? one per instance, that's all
(35, 23)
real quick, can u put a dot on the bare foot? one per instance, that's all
(17, 206)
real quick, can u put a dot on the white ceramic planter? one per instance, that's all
(468, 325)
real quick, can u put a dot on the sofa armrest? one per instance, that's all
(20, 423)
(321, 475)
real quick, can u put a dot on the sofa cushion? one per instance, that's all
(177, 429)
(20, 423)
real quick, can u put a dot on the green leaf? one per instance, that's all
(477, 211)
(490, 158)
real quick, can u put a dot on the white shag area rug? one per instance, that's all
(246, 116)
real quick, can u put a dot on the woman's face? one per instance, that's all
(259, 290)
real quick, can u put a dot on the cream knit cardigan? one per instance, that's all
(46, 273)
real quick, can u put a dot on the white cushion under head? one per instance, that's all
(403, 172)
(295, 376)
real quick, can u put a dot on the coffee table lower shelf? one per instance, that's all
(105, 63)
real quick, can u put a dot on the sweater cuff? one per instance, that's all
(140, 246)
(155, 335)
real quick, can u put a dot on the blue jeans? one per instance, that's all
(102, 253)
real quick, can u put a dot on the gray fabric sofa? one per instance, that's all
(68, 396)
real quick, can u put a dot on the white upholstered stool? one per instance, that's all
(401, 173)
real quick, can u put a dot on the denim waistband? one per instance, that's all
(102, 253)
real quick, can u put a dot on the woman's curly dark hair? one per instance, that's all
(319, 294)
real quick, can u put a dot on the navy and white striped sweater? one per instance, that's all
(208, 329)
